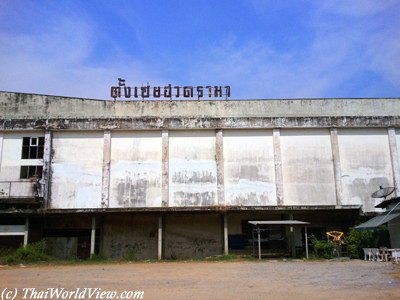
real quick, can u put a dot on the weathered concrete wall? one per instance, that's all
(192, 236)
(307, 167)
(18, 105)
(249, 168)
(76, 170)
(62, 247)
(192, 168)
(135, 177)
(365, 165)
(130, 236)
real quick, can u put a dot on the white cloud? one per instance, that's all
(57, 61)
(341, 51)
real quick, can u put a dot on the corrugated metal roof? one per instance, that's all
(378, 221)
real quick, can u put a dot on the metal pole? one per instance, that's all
(160, 219)
(259, 242)
(26, 232)
(93, 236)
(306, 237)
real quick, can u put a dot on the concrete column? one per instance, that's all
(394, 157)
(165, 169)
(160, 237)
(219, 158)
(278, 166)
(226, 243)
(292, 238)
(336, 166)
(105, 184)
(1, 146)
(93, 236)
(45, 182)
(26, 232)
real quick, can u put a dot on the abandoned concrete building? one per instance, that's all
(183, 178)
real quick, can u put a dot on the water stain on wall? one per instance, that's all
(187, 176)
(194, 198)
(134, 189)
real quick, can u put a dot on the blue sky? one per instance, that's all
(262, 49)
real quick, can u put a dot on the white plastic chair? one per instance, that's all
(396, 256)
(376, 256)
(367, 253)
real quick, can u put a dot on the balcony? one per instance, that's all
(20, 194)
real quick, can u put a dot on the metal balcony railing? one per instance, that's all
(20, 189)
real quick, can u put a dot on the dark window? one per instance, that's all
(31, 171)
(32, 147)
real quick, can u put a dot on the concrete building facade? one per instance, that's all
(181, 179)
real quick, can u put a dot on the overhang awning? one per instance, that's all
(378, 221)
(258, 224)
(279, 222)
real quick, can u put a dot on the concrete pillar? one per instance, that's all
(26, 232)
(226, 243)
(165, 169)
(394, 157)
(105, 183)
(48, 139)
(1, 146)
(160, 237)
(292, 238)
(336, 166)
(219, 158)
(93, 236)
(278, 166)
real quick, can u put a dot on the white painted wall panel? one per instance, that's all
(307, 167)
(76, 170)
(192, 168)
(11, 160)
(135, 173)
(365, 164)
(249, 168)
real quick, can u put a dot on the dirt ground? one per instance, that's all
(266, 279)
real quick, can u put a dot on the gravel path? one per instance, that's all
(267, 279)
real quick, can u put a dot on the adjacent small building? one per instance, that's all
(183, 178)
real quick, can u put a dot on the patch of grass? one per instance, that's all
(31, 253)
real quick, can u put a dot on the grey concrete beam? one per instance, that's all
(278, 167)
(165, 169)
(93, 236)
(394, 157)
(150, 123)
(19, 105)
(219, 158)
(46, 176)
(193, 209)
(1, 146)
(336, 166)
(105, 182)
(160, 238)
(226, 241)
